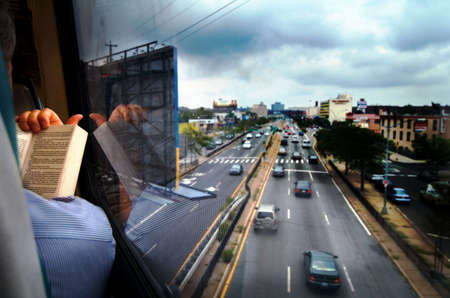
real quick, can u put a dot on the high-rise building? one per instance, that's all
(336, 109)
(277, 107)
(259, 109)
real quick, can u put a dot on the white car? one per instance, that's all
(258, 135)
(249, 136)
(266, 133)
(306, 144)
(247, 145)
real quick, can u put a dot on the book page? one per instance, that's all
(23, 144)
(47, 155)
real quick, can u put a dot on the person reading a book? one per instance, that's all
(73, 237)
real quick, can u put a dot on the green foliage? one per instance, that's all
(435, 150)
(227, 255)
(196, 139)
(359, 148)
(232, 215)
(223, 228)
(200, 113)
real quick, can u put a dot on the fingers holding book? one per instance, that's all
(38, 120)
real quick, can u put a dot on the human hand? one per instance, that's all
(127, 113)
(38, 120)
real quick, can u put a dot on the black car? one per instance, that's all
(296, 155)
(278, 171)
(236, 169)
(398, 195)
(211, 146)
(302, 188)
(312, 158)
(321, 269)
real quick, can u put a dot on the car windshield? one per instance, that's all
(236, 167)
(264, 214)
(401, 191)
(323, 264)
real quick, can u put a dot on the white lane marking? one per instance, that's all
(195, 207)
(302, 161)
(218, 184)
(351, 208)
(289, 213)
(348, 279)
(306, 171)
(289, 176)
(288, 279)
(194, 183)
(317, 193)
(310, 175)
(289, 191)
(253, 160)
(326, 218)
(152, 248)
(140, 223)
(226, 161)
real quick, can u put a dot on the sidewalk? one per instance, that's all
(403, 159)
(397, 220)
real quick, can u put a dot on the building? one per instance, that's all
(403, 129)
(259, 109)
(370, 121)
(312, 112)
(204, 125)
(336, 109)
(224, 106)
(277, 108)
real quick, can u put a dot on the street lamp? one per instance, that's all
(385, 182)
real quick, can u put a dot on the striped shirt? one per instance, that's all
(75, 243)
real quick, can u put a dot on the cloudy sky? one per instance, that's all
(297, 52)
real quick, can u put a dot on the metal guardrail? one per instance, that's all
(440, 286)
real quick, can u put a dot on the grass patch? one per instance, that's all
(240, 228)
(232, 215)
(227, 202)
(227, 255)
(395, 257)
(223, 228)
(421, 250)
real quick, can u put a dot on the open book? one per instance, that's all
(50, 160)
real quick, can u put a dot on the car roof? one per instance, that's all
(321, 253)
(303, 182)
(266, 207)
(236, 165)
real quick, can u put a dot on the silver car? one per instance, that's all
(266, 217)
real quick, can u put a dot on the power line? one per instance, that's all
(213, 21)
(199, 21)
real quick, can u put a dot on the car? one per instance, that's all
(306, 144)
(302, 188)
(218, 142)
(294, 139)
(286, 136)
(236, 169)
(282, 151)
(211, 146)
(229, 136)
(258, 135)
(278, 171)
(249, 135)
(266, 133)
(398, 195)
(296, 155)
(266, 217)
(436, 193)
(284, 142)
(247, 145)
(300, 133)
(321, 269)
(312, 158)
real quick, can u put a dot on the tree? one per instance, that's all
(436, 151)
(359, 148)
(196, 139)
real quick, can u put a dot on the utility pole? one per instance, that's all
(110, 45)
(385, 182)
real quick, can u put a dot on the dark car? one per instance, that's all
(284, 142)
(296, 155)
(312, 158)
(229, 136)
(321, 269)
(211, 146)
(300, 133)
(398, 195)
(236, 169)
(278, 171)
(302, 188)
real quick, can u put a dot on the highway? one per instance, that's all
(172, 229)
(271, 263)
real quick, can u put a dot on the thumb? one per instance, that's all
(98, 119)
(74, 119)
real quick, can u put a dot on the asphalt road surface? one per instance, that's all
(271, 263)
(172, 229)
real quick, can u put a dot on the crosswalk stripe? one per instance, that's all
(302, 161)
(226, 161)
(296, 161)
(276, 161)
(247, 160)
(211, 161)
(253, 160)
(281, 160)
